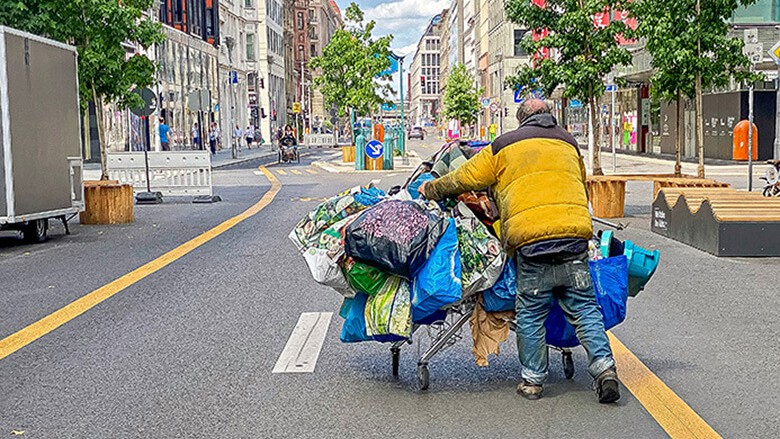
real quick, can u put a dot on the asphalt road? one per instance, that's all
(189, 350)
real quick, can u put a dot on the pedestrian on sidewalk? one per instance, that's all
(164, 129)
(259, 137)
(195, 136)
(250, 136)
(539, 175)
(213, 138)
(237, 136)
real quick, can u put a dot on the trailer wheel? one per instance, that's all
(35, 231)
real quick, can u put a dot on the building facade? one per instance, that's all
(424, 88)
(237, 65)
(324, 20)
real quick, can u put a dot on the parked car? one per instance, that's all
(416, 133)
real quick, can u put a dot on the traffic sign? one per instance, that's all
(233, 76)
(774, 52)
(518, 96)
(494, 107)
(388, 107)
(296, 107)
(611, 87)
(374, 149)
(150, 103)
(574, 103)
(485, 102)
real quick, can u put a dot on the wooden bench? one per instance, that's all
(719, 220)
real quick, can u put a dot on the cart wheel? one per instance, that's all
(568, 364)
(280, 156)
(423, 378)
(298, 156)
(396, 354)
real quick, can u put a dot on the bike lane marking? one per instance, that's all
(38, 329)
(303, 348)
(676, 417)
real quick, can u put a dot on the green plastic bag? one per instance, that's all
(389, 313)
(363, 277)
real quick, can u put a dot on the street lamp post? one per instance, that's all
(403, 123)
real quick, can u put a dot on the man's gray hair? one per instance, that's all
(532, 107)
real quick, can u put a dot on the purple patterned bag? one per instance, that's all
(395, 236)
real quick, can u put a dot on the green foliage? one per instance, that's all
(582, 53)
(461, 97)
(350, 65)
(98, 28)
(673, 31)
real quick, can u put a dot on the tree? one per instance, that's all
(461, 97)
(100, 29)
(350, 65)
(582, 54)
(691, 51)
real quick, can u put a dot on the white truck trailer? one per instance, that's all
(40, 134)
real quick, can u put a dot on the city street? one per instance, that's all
(186, 345)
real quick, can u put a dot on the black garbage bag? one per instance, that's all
(395, 236)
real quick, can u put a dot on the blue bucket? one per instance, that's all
(642, 264)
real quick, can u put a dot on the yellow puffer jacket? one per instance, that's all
(538, 180)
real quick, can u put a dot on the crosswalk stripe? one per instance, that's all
(311, 171)
(296, 172)
(280, 172)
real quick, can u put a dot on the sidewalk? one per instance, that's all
(631, 163)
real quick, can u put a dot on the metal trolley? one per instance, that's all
(447, 332)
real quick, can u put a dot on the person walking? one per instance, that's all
(164, 130)
(237, 136)
(538, 176)
(213, 138)
(250, 136)
(195, 136)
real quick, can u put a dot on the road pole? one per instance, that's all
(403, 121)
(776, 153)
(750, 137)
(612, 129)
(146, 153)
(699, 106)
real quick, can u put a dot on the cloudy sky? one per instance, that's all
(406, 20)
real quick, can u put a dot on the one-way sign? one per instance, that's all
(374, 149)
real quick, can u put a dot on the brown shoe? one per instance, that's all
(530, 391)
(606, 386)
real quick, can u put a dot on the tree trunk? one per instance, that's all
(699, 109)
(594, 136)
(680, 136)
(99, 121)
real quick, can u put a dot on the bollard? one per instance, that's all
(360, 152)
(389, 151)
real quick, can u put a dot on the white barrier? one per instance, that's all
(177, 173)
(319, 140)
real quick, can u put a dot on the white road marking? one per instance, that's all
(258, 173)
(303, 348)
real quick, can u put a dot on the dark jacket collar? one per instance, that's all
(544, 120)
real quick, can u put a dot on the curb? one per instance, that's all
(242, 160)
(327, 167)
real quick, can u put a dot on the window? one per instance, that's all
(301, 54)
(762, 12)
(519, 34)
(247, 3)
(250, 47)
(312, 17)
(300, 20)
(313, 50)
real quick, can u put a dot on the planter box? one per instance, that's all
(607, 196)
(107, 202)
(348, 154)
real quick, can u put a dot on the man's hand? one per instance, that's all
(421, 189)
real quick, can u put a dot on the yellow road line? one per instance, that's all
(311, 171)
(280, 172)
(672, 413)
(36, 330)
(296, 172)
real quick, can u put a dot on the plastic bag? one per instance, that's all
(503, 294)
(438, 283)
(323, 256)
(481, 254)
(332, 211)
(388, 314)
(610, 280)
(413, 186)
(354, 327)
(395, 236)
(363, 277)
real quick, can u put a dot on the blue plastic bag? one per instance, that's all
(438, 283)
(610, 281)
(354, 328)
(502, 295)
(413, 186)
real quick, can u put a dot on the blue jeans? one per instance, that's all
(539, 283)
